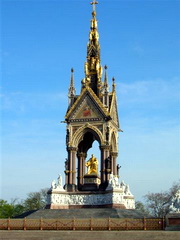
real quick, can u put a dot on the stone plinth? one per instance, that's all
(116, 195)
(91, 182)
(173, 222)
(67, 200)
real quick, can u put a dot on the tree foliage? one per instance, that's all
(10, 209)
(141, 207)
(34, 201)
(158, 203)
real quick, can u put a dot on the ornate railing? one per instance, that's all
(110, 224)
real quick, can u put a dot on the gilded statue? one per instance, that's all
(94, 36)
(86, 69)
(92, 165)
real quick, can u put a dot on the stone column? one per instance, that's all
(72, 167)
(104, 155)
(66, 177)
(66, 171)
(114, 163)
(108, 168)
(74, 151)
(81, 167)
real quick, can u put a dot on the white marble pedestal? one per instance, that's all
(117, 195)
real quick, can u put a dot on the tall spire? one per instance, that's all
(113, 85)
(93, 69)
(105, 89)
(72, 90)
(106, 86)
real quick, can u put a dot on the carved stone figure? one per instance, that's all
(107, 134)
(53, 184)
(175, 203)
(92, 165)
(93, 63)
(108, 163)
(118, 167)
(67, 136)
(59, 183)
(127, 190)
(67, 164)
(86, 68)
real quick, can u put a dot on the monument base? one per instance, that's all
(106, 199)
(116, 195)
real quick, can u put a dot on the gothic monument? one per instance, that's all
(91, 115)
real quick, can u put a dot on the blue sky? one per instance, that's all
(41, 40)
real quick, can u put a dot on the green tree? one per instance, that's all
(141, 207)
(10, 209)
(36, 200)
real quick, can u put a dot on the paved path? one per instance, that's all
(89, 235)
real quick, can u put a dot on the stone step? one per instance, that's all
(173, 228)
(85, 213)
(89, 235)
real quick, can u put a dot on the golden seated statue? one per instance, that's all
(92, 165)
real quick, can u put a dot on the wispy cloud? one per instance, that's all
(149, 106)
(138, 49)
(21, 102)
(156, 92)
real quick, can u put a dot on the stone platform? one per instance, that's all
(86, 213)
(116, 195)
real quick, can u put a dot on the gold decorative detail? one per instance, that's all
(92, 165)
(92, 66)
(95, 98)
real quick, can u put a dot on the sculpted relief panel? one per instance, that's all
(86, 110)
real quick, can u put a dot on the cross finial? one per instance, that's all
(94, 5)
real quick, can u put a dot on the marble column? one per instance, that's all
(74, 152)
(81, 167)
(114, 163)
(104, 155)
(72, 165)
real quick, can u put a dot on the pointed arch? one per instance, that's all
(83, 130)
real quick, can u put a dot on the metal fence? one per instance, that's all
(83, 224)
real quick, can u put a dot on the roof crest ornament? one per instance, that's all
(94, 5)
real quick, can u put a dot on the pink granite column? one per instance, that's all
(74, 152)
(114, 157)
(104, 156)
